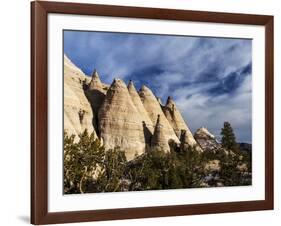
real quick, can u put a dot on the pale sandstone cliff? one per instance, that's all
(95, 91)
(159, 140)
(120, 123)
(153, 109)
(78, 114)
(148, 126)
(119, 115)
(179, 125)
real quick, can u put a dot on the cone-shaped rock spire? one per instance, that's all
(153, 109)
(159, 140)
(95, 94)
(120, 123)
(96, 82)
(138, 103)
(177, 122)
(184, 139)
(78, 114)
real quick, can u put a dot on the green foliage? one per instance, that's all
(149, 171)
(89, 168)
(81, 159)
(228, 138)
(112, 171)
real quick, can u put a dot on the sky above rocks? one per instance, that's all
(210, 79)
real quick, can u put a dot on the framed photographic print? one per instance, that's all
(147, 112)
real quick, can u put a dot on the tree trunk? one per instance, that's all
(81, 180)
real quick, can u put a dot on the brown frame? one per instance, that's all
(39, 107)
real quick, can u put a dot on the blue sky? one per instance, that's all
(209, 78)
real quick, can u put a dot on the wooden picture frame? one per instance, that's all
(39, 112)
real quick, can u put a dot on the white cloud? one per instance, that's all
(211, 111)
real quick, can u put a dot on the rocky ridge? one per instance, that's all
(206, 140)
(154, 110)
(147, 123)
(120, 116)
(179, 125)
(78, 114)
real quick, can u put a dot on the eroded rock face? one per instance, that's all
(159, 100)
(179, 125)
(122, 117)
(159, 140)
(95, 92)
(154, 109)
(206, 140)
(148, 126)
(78, 114)
(120, 123)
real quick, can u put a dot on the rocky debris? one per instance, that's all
(229, 153)
(159, 140)
(148, 126)
(75, 101)
(203, 184)
(212, 173)
(120, 123)
(179, 125)
(154, 109)
(220, 184)
(206, 140)
(212, 166)
(242, 167)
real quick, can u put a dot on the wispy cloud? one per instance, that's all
(209, 78)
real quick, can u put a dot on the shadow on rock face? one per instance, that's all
(147, 135)
(96, 99)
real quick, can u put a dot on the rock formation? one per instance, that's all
(78, 114)
(159, 140)
(121, 117)
(184, 140)
(120, 123)
(159, 100)
(177, 122)
(95, 92)
(147, 123)
(154, 109)
(206, 140)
